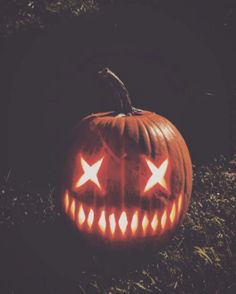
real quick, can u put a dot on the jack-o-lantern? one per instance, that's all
(129, 173)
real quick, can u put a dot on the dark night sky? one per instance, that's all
(176, 60)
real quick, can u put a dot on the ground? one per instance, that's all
(199, 259)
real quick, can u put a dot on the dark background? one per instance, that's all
(176, 59)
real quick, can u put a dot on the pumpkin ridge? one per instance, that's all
(141, 141)
(168, 127)
(187, 158)
(188, 171)
(186, 193)
(135, 125)
(131, 131)
(145, 136)
(152, 136)
(179, 161)
(158, 132)
(106, 144)
(121, 126)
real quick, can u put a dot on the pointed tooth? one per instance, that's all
(102, 222)
(112, 222)
(72, 209)
(81, 215)
(163, 219)
(154, 222)
(123, 222)
(134, 222)
(145, 223)
(90, 218)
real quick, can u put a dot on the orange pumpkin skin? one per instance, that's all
(128, 178)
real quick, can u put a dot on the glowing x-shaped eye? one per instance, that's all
(90, 173)
(158, 175)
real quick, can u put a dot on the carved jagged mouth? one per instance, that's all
(121, 224)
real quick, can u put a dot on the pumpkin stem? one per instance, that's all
(120, 91)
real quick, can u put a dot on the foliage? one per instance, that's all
(19, 15)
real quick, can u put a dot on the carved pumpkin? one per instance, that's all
(129, 173)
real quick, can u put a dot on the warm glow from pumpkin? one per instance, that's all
(90, 173)
(134, 222)
(102, 222)
(123, 222)
(154, 222)
(173, 213)
(112, 222)
(158, 175)
(163, 219)
(90, 218)
(145, 223)
(81, 215)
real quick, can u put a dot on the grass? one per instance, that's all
(200, 258)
